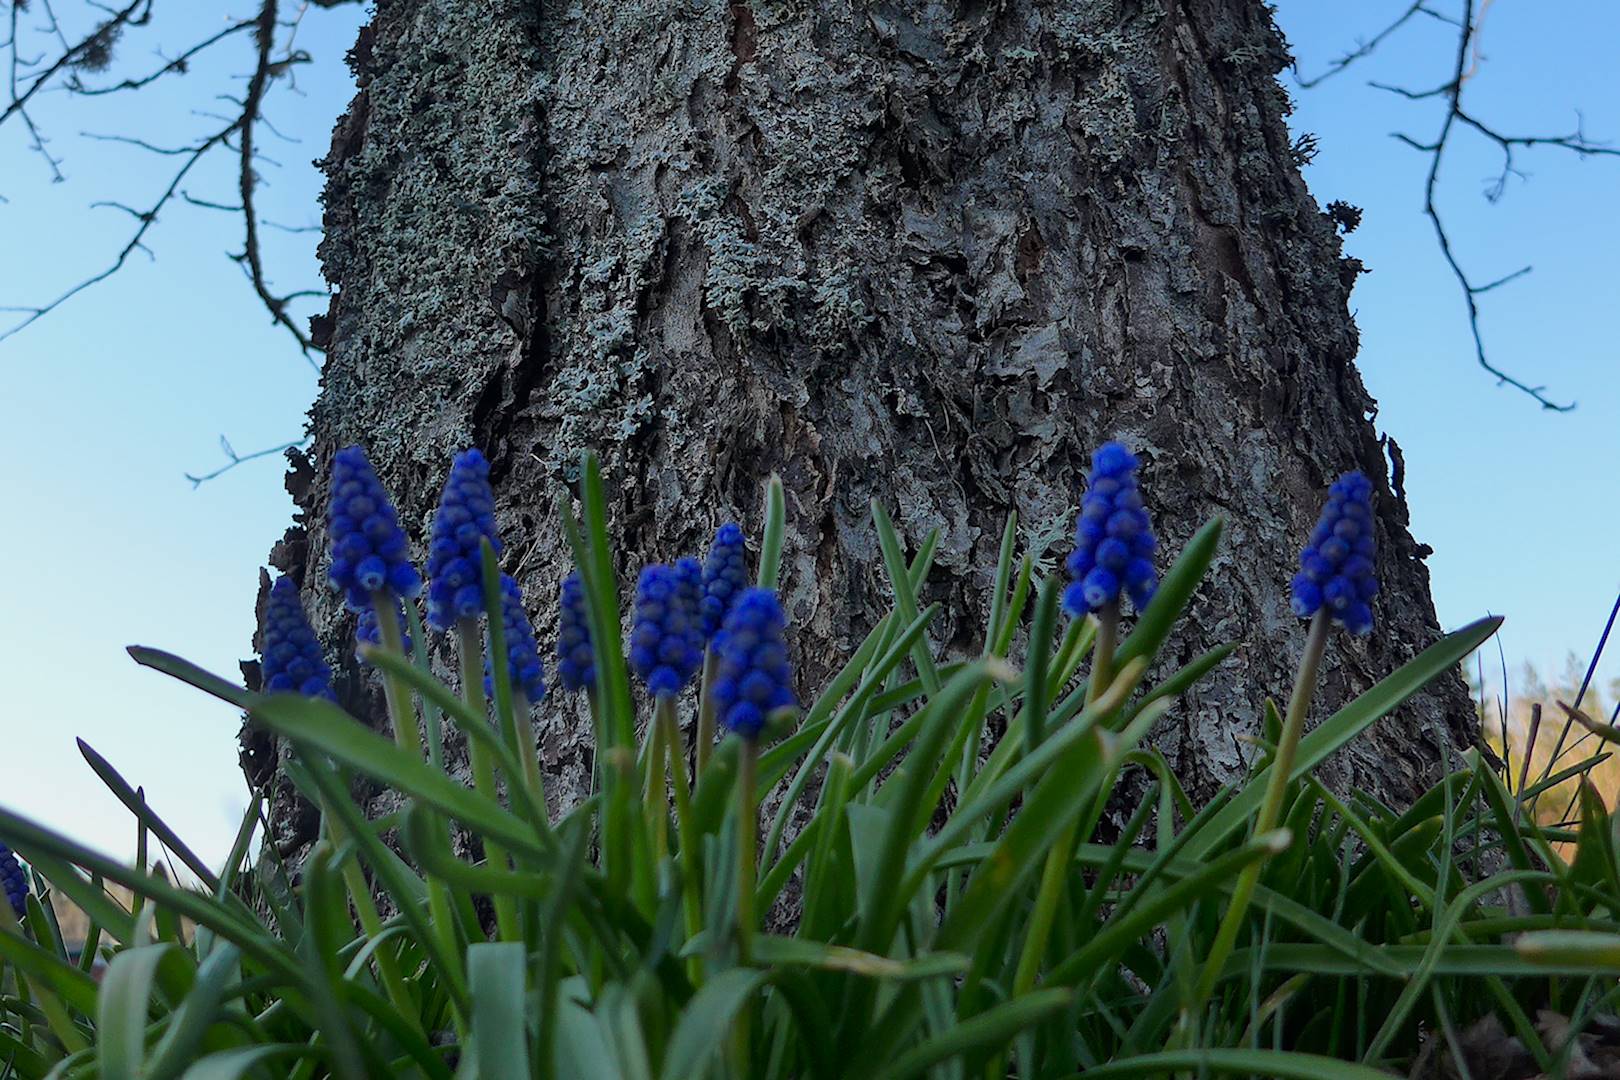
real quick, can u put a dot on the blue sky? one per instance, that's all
(110, 400)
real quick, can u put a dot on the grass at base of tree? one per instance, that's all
(1374, 935)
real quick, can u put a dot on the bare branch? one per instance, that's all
(179, 65)
(1456, 117)
(233, 459)
(134, 14)
(235, 133)
(1363, 49)
(146, 220)
(264, 34)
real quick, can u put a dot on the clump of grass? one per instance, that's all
(1283, 929)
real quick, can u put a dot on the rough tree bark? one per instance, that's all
(927, 251)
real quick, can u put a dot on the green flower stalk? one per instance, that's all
(1334, 587)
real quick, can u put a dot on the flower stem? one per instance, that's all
(1055, 875)
(705, 721)
(483, 769)
(528, 752)
(365, 908)
(747, 872)
(1299, 704)
(747, 845)
(655, 797)
(402, 716)
(691, 867)
(401, 711)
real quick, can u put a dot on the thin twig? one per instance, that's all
(233, 459)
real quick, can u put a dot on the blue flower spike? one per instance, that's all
(15, 880)
(367, 632)
(1337, 569)
(1113, 538)
(663, 644)
(576, 656)
(369, 550)
(689, 593)
(290, 658)
(725, 576)
(522, 653)
(465, 517)
(753, 678)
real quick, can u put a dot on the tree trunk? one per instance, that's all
(929, 253)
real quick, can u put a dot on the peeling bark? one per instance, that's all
(925, 251)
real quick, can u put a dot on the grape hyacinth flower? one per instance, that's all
(753, 678)
(369, 550)
(466, 516)
(1336, 567)
(1335, 583)
(576, 657)
(663, 648)
(15, 881)
(522, 653)
(367, 632)
(725, 576)
(291, 654)
(689, 593)
(1113, 537)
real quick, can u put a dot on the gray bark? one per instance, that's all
(925, 251)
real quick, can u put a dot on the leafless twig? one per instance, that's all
(233, 459)
(29, 76)
(1456, 118)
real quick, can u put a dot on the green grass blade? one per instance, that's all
(137, 806)
(986, 1032)
(1275, 1063)
(329, 729)
(770, 544)
(1345, 725)
(499, 1043)
(1175, 592)
(704, 1026)
(121, 1011)
(905, 594)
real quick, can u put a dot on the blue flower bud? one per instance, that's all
(466, 515)
(1336, 567)
(290, 654)
(752, 676)
(369, 550)
(522, 653)
(576, 657)
(15, 880)
(1113, 537)
(663, 642)
(725, 576)
(366, 630)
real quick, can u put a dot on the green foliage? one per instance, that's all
(936, 792)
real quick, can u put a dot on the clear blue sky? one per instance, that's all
(113, 398)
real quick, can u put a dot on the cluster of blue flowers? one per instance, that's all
(689, 590)
(1336, 567)
(466, 515)
(290, 652)
(576, 658)
(1113, 538)
(725, 576)
(752, 676)
(368, 546)
(15, 881)
(522, 652)
(665, 644)
(368, 632)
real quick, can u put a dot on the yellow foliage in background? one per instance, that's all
(1536, 739)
